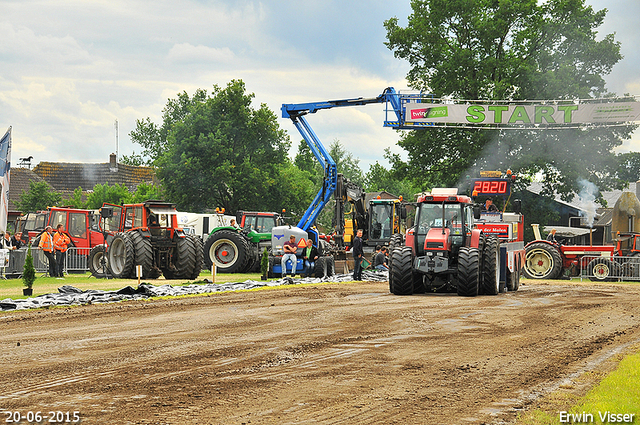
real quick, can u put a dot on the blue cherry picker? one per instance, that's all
(334, 184)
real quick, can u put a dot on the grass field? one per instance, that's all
(616, 399)
(12, 288)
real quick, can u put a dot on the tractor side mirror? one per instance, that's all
(517, 206)
(403, 212)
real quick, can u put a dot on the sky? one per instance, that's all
(70, 69)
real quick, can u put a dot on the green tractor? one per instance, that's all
(238, 249)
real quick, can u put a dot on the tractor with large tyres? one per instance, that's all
(552, 260)
(146, 235)
(238, 250)
(454, 248)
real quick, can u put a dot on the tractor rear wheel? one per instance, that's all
(542, 261)
(228, 250)
(468, 272)
(143, 255)
(331, 266)
(96, 266)
(199, 257)
(491, 267)
(401, 271)
(185, 257)
(320, 267)
(120, 256)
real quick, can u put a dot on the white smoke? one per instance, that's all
(587, 201)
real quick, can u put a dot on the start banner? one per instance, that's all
(547, 113)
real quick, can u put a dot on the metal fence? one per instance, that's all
(610, 269)
(76, 260)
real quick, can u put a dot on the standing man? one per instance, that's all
(46, 243)
(358, 253)
(60, 244)
(290, 249)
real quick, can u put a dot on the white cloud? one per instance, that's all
(185, 53)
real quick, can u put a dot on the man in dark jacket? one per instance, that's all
(380, 259)
(358, 256)
(310, 253)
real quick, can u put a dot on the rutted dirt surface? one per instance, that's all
(330, 354)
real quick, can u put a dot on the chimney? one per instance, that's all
(113, 164)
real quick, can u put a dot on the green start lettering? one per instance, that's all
(476, 114)
(497, 112)
(519, 114)
(568, 110)
(545, 112)
(541, 114)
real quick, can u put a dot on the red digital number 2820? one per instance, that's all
(490, 187)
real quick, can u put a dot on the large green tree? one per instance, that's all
(216, 150)
(114, 194)
(39, 197)
(512, 50)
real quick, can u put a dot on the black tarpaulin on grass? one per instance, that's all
(69, 295)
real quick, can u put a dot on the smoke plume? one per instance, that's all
(587, 201)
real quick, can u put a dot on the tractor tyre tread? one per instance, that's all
(401, 271)
(468, 272)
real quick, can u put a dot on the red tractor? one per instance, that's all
(446, 251)
(148, 235)
(552, 260)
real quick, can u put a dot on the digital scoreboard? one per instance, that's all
(491, 187)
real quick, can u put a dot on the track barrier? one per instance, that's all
(610, 269)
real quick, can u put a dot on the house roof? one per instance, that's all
(66, 176)
(536, 187)
(18, 183)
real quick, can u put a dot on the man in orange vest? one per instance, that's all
(60, 244)
(46, 243)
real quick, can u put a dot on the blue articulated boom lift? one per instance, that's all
(297, 113)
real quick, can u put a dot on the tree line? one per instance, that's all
(40, 196)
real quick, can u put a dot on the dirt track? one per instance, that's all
(340, 353)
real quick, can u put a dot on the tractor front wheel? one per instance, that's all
(98, 262)
(401, 270)
(468, 272)
(603, 269)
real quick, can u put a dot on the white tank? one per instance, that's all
(281, 234)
